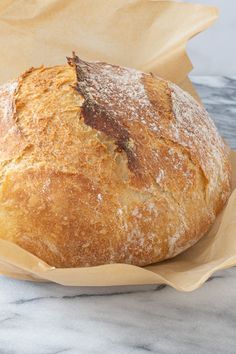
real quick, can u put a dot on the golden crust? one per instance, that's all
(102, 164)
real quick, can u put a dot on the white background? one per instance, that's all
(213, 52)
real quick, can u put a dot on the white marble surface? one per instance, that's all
(41, 318)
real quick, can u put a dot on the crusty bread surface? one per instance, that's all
(102, 164)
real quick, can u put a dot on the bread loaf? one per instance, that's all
(104, 164)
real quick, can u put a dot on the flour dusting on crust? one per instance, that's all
(6, 105)
(194, 129)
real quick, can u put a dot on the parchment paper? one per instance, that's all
(145, 34)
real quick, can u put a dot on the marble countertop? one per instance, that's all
(44, 318)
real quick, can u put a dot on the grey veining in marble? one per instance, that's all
(49, 319)
(219, 97)
(41, 318)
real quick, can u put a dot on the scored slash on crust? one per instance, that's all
(96, 112)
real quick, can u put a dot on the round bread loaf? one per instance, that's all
(103, 164)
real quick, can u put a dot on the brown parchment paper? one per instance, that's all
(146, 34)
